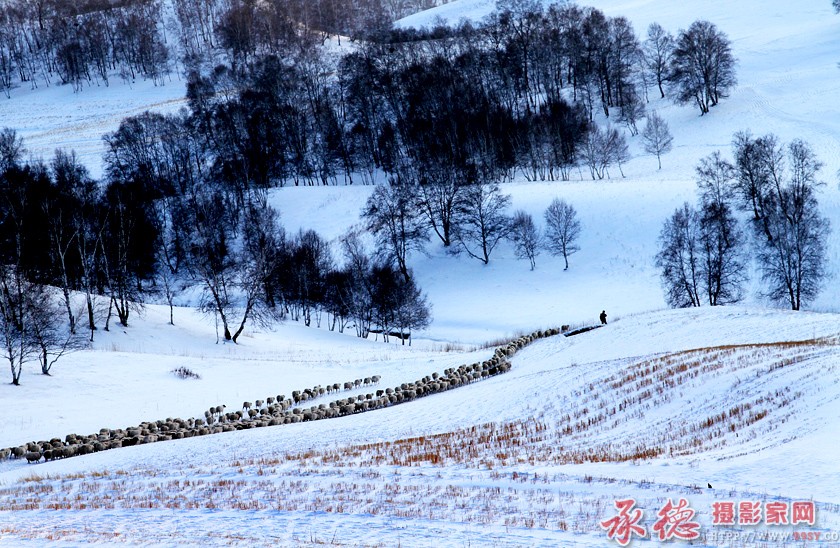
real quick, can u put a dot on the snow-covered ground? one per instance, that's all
(658, 404)
(54, 117)
(508, 461)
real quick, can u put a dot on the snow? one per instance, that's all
(507, 461)
(55, 117)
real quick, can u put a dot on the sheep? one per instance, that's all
(275, 411)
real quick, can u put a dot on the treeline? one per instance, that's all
(87, 42)
(129, 239)
(77, 43)
(516, 93)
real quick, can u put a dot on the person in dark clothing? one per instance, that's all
(603, 317)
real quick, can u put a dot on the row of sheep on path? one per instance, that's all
(273, 411)
(298, 396)
(263, 407)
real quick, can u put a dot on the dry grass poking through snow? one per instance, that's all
(495, 473)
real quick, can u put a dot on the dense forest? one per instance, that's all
(439, 117)
(87, 42)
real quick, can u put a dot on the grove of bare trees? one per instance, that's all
(702, 254)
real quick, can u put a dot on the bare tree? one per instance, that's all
(715, 177)
(679, 258)
(394, 217)
(309, 263)
(15, 341)
(50, 339)
(657, 137)
(358, 297)
(483, 220)
(439, 190)
(7, 70)
(792, 253)
(759, 167)
(413, 309)
(701, 256)
(658, 49)
(232, 272)
(562, 229)
(624, 48)
(778, 185)
(594, 154)
(722, 268)
(702, 66)
(128, 255)
(602, 148)
(30, 317)
(525, 237)
(616, 149)
(59, 209)
(632, 109)
(398, 304)
(11, 149)
(170, 250)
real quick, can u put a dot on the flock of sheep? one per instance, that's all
(274, 410)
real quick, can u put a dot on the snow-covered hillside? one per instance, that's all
(508, 461)
(657, 404)
(49, 118)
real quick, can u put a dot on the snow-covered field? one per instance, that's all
(658, 404)
(49, 118)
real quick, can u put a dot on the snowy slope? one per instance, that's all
(49, 118)
(335, 481)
